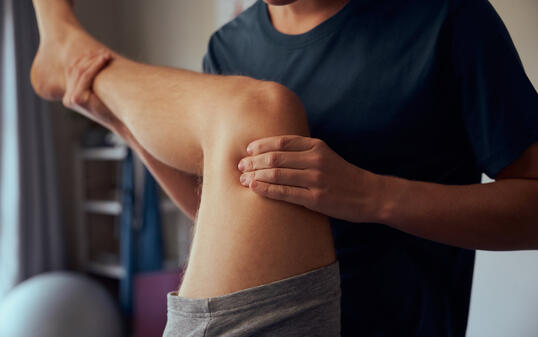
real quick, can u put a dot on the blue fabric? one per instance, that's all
(141, 248)
(127, 235)
(149, 237)
(429, 90)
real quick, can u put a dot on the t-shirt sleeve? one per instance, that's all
(209, 62)
(500, 104)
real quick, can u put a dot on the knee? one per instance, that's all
(269, 109)
(277, 106)
(256, 109)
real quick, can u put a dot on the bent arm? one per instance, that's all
(502, 215)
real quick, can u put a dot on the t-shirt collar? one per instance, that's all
(322, 30)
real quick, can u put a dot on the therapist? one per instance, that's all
(408, 103)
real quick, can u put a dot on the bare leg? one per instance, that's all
(202, 123)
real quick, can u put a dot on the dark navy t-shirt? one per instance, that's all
(429, 90)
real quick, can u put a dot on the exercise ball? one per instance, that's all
(59, 304)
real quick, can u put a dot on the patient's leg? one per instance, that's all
(201, 123)
(141, 93)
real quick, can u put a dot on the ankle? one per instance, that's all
(55, 18)
(62, 32)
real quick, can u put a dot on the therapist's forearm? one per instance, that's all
(497, 216)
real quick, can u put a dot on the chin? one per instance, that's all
(279, 2)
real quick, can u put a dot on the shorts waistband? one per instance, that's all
(321, 283)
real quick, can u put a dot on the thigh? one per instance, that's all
(171, 112)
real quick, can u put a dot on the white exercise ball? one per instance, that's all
(59, 304)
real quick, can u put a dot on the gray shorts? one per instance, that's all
(303, 305)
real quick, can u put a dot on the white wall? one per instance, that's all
(505, 295)
(163, 32)
(504, 300)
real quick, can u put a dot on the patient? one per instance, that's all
(256, 266)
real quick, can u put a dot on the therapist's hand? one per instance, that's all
(307, 172)
(79, 95)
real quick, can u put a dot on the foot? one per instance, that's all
(62, 42)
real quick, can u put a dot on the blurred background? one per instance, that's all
(73, 198)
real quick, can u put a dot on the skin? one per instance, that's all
(300, 16)
(182, 121)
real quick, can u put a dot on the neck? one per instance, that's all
(303, 15)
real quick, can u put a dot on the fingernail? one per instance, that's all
(249, 149)
(244, 180)
(241, 166)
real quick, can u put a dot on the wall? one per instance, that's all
(504, 300)
(162, 32)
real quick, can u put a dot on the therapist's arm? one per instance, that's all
(502, 215)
